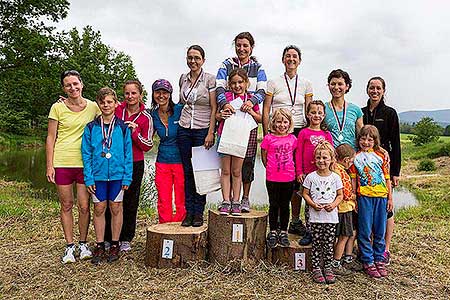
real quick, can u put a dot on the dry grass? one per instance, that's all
(31, 243)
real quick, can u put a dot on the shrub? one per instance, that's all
(426, 165)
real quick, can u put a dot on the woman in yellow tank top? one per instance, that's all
(66, 122)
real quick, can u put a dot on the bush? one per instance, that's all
(426, 131)
(426, 165)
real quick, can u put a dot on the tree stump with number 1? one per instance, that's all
(237, 238)
(171, 245)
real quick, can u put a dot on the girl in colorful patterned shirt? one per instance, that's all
(370, 171)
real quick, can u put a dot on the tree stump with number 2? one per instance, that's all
(237, 238)
(171, 245)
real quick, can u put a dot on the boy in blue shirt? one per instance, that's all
(108, 167)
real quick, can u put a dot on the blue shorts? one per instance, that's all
(108, 190)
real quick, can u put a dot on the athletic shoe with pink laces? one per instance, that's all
(371, 270)
(381, 268)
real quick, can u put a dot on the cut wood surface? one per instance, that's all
(237, 238)
(171, 245)
(287, 255)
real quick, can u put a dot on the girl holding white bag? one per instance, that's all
(231, 177)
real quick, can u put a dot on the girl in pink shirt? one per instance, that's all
(307, 140)
(278, 157)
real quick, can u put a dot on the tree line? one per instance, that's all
(33, 54)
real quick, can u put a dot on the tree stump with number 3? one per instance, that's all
(171, 245)
(239, 239)
(295, 256)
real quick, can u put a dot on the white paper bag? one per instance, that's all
(207, 181)
(235, 134)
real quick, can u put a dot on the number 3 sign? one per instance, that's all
(299, 261)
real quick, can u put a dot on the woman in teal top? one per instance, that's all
(344, 119)
(169, 176)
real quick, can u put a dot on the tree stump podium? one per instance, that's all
(171, 245)
(296, 256)
(237, 238)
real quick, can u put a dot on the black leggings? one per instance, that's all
(280, 194)
(130, 206)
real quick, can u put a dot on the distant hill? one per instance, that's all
(442, 117)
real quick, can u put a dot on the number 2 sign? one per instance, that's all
(167, 249)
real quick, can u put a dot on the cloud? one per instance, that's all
(405, 42)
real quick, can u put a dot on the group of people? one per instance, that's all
(340, 159)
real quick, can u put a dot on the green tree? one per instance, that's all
(26, 59)
(33, 54)
(426, 131)
(99, 64)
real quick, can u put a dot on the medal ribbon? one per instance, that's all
(186, 96)
(344, 116)
(107, 138)
(289, 89)
(123, 115)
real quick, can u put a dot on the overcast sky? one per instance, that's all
(406, 42)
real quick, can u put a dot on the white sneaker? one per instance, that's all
(85, 252)
(125, 246)
(69, 255)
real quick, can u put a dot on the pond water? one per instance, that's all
(30, 166)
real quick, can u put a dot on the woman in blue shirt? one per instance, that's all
(169, 177)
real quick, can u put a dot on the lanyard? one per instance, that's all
(289, 88)
(344, 116)
(124, 112)
(107, 136)
(186, 96)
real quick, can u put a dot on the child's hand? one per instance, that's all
(124, 187)
(330, 207)
(390, 203)
(318, 206)
(131, 125)
(91, 189)
(300, 178)
(228, 107)
(247, 106)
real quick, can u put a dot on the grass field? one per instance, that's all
(32, 242)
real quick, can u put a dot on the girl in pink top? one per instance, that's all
(278, 157)
(307, 140)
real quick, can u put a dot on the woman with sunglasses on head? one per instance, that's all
(294, 93)
(66, 122)
(169, 174)
(243, 45)
(197, 126)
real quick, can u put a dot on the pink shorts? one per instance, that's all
(65, 176)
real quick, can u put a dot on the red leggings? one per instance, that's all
(169, 179)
